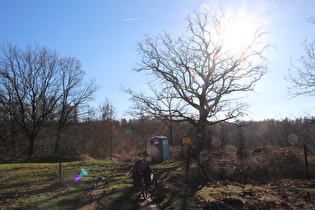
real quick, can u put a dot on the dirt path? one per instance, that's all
(149, 204)
(90, 201)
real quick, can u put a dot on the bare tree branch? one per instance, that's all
(302, 75)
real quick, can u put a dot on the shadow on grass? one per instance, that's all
(56, 195)
(48, 159)
(61, 201)
(37, 186)
(119, 194)
(173, 192)
(124, 198)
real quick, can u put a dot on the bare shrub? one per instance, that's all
(272, 163)
(269, 163)
(178, 153)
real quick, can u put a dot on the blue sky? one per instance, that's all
(103, 35)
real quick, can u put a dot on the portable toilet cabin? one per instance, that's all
(159, 148)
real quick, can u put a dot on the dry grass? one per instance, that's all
(283, 194)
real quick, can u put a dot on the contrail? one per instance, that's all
(131, 19)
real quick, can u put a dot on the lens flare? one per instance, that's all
(193, 71)
(204, 8)
(82, 174)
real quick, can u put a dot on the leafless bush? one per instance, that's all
(178, 153)
(274, 163)
(268, 163)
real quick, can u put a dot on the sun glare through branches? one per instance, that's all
(238, 31)
(238, 35)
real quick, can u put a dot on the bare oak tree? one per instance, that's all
(38, 86)
(205, 70)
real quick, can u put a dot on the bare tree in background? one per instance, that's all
(160, 106)
(108, 132)
(302, 77)
(203, 74)
(73, 93)
(38, 87)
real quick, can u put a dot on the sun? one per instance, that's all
(238, 35)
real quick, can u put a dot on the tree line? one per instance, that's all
(103, 137)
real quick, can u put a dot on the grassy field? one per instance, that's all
(37, 186)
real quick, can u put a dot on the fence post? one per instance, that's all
(60, 169)
(306, 162)
(187, 164)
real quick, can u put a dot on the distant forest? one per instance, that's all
(106, 138)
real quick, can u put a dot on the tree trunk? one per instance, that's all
(13, 144)
(200, 131)
(171, 132)
(31, 149)
(241, 147)
(58, 137)
(60, 127)
(56, 146)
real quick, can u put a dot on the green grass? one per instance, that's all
(37, 186)
(120, 194)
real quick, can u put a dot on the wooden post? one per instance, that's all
(306, 162)
(60, 169)
(187, 165)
